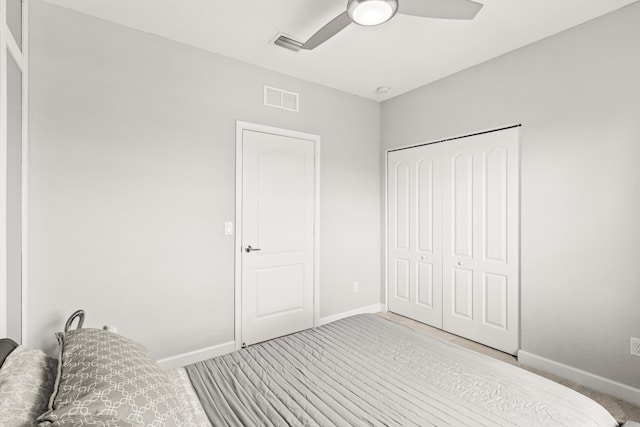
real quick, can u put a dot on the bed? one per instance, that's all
(362, 370)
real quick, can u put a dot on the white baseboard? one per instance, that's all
(374, 308)
(196, 356)
(596, 382)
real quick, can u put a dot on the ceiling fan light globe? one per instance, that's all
(371, 12)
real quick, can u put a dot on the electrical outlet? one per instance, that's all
(635, 346)
(356, 287)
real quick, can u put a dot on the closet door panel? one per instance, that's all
(399, 268)
(425, 295)
(495, 292)
(402, 190)
(480, 223)
(402, 279)
(414, 268)
(494, 187)
(425, 204)
(462, 207)
(462, 290)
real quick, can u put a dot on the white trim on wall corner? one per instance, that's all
(19, 54)
(185, 359)
(374, 308)
(596, 382)
(3, 172)
(25, 175)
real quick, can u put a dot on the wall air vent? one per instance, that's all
(278, 98)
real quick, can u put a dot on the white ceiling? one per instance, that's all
(404, 53)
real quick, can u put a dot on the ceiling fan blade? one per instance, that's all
(336, 25)
(443, 9)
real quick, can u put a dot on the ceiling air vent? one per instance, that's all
(278, 98)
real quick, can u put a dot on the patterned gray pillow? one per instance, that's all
(94, 421)
(26, 381)
(105, 379)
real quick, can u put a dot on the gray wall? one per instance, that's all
(577, 97)
(132, 168)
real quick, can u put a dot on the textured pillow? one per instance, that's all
(105, 379)
(26, 382)
(193, 413)
(94, 421)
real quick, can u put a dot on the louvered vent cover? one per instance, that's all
(278, 98)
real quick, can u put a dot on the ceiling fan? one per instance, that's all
(376, 12)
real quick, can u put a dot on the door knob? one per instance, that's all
(250, 249)
(460, 263)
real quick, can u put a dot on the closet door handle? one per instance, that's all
(250, 249)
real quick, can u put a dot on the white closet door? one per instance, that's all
(415, 233)
(481, 243)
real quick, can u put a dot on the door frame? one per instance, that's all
(240, 127)
(20, 55)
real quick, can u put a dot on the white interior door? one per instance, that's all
(414, 193)
(277, 235)
(481, 238)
